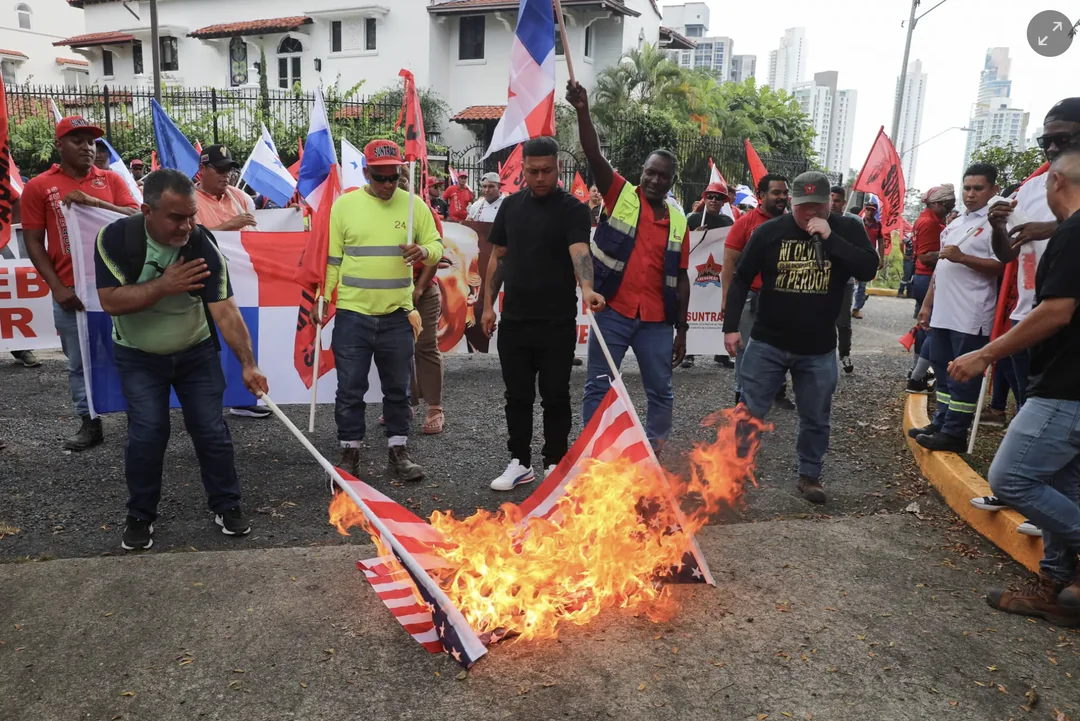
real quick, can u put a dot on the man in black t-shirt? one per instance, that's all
(805, 259)
(540, 253)
(1037, 467)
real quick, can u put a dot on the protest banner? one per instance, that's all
(706, 335)
(26, 308)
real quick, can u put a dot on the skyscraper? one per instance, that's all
(832, 115)
(713, 53)
(743, 67)
(911, 111)
(993, 120)
(994, 80)
(787, 64)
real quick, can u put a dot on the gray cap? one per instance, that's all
(490, 178)
(810, 187)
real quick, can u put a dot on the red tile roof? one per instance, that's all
(465, 6)
(13, 54)
(82, 41)
(675, 40)
(73, 61)
(251, 27)
(479, 113)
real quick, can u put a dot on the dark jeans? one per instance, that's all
(843, 322)
(531, 350)
(955, 400)
(359, 339)
(195, 374)
(906, 280)
(1015, 370)
(920, 285)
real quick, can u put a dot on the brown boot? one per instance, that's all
(402, 466)
(811, 489)
(1069, 598)
(1038, 596)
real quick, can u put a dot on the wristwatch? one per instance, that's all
(682, 326)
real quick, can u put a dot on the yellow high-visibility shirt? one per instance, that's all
(365, 264)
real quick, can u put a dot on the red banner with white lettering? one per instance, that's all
(882, 176)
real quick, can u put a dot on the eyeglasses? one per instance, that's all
(384, 178)
(1061, 140)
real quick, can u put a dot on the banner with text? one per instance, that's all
(706, 334)
(26, 309)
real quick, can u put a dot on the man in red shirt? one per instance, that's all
(772, 195)
(939, 202)
(459, 197)
(640, 255)
(74, 180)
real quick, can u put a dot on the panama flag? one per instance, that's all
(319, 159)
(117, 165)
(530, 105)
(352, 167)
(264, 172)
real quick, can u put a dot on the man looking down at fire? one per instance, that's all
(805, 259)
(641, 250)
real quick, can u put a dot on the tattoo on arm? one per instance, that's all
(497, 276)
(583, 268)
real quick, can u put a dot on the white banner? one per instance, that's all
(280, 220)
(706, 334)
(26, 309)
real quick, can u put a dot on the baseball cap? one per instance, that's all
(462, 174)
(74, 123)
(810, 187)
(433, 181)
(490, 178)
(137, 163)
(382, 153)
(217, 157)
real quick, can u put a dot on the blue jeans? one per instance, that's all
(67, 325)
(860, 294)
(920, 285)
(1017, 370)
(195, 374)
(359, 339)
(1003, 382)
(652, 344)
(1037, 472)
(955, 400)
(813, 378)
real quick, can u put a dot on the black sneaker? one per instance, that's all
(578, 362)
(688, 362)
(724, 361)
(942, 442)
(137, 535)
(250, 411)
(920, 388)
(88, 436)
(233, 522)
(923, 431)
(849, 367)
(988, 503)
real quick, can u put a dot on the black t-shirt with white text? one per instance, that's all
(1055, 361)
(539, 281)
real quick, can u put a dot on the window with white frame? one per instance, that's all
(136, 57)
(8, 71)
(238, 62)
(170, 58)
(107, 63)
(369, 34)
(335, 36)
(352, 35)
(471, 37)
(24, 12)
(289, 60)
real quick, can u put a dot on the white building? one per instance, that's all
(459, 48)
(994, 80)
(28, 29)
(709, 53)
(742, 68)
(999, 124)
(787, 64)
(689, 19)
(911, 111)
(832, 115)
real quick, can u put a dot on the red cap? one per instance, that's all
(76, 122)
(382, 152)
(432, 181)
(719, 188)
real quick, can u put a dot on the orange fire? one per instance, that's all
(606, 544)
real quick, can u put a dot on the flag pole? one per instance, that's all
(565, 45)
(978, 410)
(676, 508)
(315, 368)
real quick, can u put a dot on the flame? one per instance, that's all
(607, 543)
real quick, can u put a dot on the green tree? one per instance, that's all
(640, 132)
(646, 78)
(779, 124)
(1013, 164)
(264, 85)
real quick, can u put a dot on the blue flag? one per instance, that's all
(174, 150)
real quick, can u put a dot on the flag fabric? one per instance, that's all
(310, 274)
(10, 184)
(57, 115)
(261, 269)
(716, 177)
(881, 175)
(579, 190)
(198, 147)
(530, 105)
(319, 159)
(415, 139)
(264, 172)
(745, 196)
(173, 149)
(294, 169)
(511, 173)
(352, 167)
(117, 165)
(757, 168)
(154, 165)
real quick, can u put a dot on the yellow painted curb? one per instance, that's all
(958, 484)
(890, 292)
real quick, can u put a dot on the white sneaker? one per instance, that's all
(514, 475)
(549, 470)
(1029, 529)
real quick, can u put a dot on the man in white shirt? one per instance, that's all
(489, 202)
(959, 309)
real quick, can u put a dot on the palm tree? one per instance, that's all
(646, 77)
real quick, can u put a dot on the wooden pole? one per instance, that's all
(565, 45)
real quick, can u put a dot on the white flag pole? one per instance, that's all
(978, 409)
(315, 369)
(412, 199)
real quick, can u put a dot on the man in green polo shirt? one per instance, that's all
(162, 279)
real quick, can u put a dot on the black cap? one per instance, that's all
(217, 157)
(810, 187)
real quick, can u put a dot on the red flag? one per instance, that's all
(198, 147)
(908, 339)
(579, 190)
(153, 161)
(415, 140)
(757, 168)
(511, 173)
(7, 188)
(311, 275)
(882, 176)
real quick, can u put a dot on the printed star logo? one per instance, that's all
(456, 654)
(696, 572)
(708, 273)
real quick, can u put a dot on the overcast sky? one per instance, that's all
(863, 40)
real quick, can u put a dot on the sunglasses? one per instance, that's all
(713, 196)
(1061, 140)
(384, 178)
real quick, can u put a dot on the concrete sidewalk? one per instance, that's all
(868, 618)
